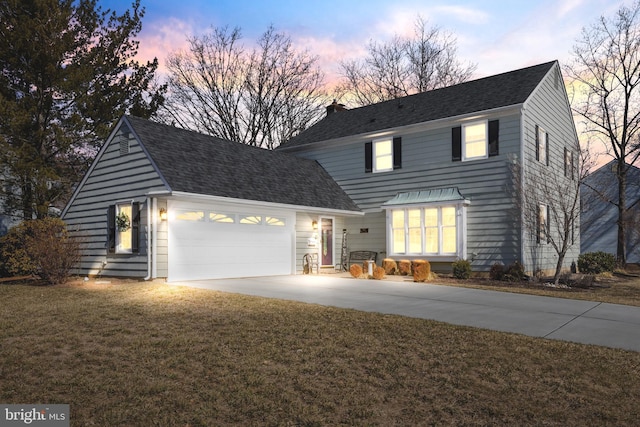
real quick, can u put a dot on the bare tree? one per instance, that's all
(606, 76)
(404, 66)
(549, 202)
(260, 97)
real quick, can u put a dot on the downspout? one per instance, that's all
(149, 223)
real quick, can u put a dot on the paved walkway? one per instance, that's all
(587, 322)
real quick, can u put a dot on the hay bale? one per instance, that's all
(390, 266)
(404, 267)
(378, 273)
(355, 270)
(421, 270)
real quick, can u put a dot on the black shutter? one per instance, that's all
(111, 229)
(456, 144)
(368, 157)
(494, 128)
(537, 145)
(566, 162)
(135, 227)
(547, 148)
(397, 152)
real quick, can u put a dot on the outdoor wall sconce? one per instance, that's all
(314, 225)
(163, 214)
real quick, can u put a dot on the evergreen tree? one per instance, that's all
(67, 73)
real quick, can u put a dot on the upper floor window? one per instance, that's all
(542, 145)
(568, 164)
(476, 140)
(383, 155)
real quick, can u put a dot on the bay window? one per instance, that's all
(426, 230)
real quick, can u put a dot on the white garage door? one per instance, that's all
(213, 243)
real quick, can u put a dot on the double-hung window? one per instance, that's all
(475, 140)
(542, 233)
(542, 145)
(383, 155)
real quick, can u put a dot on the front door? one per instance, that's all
(326, 241)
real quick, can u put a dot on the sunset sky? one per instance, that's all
(496, 35)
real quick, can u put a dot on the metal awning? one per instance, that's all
(423, 197)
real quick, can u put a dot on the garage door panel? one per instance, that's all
(202, 250)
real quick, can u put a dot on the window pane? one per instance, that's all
(190, 215)
(431, 244)
(414, 217)
(431, 217)
(476, 149)
(398, 241)
(272, 220)
(449, 239)
(415, 240)
(397, 219)
(542, 145)
(251, 219)
(449, 216)
(218, 217)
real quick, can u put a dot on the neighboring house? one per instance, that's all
(599, 213)
(421, 177)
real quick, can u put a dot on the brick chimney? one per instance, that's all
(335, 107)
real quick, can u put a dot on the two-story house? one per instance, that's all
(426, 176)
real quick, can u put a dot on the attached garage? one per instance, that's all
(222, 241)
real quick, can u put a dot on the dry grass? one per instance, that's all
(140, 354)
(619, 288)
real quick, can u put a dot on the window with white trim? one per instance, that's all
(383, 155)
(474, 141)
(542, 145)
(430, 230)
(542, 232)
(123, 228)
(274, 221)
(189, 215)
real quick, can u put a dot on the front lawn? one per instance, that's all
(143, 354)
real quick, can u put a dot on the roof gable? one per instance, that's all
(195, 163)
(501, 90)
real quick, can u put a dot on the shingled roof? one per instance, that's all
(501, 90)
(195, 163)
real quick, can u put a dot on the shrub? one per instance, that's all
(596, 262)
(461, 269)
(40, 247)
(355, 270)
(514, 272)
(497, 271)
(421, 270)
(378, 273)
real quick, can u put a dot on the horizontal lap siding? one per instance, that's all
(114, 178)
(493, 231)
(548, 107)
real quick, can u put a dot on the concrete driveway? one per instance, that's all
(586, 322)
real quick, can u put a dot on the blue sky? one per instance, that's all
(496, 35)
